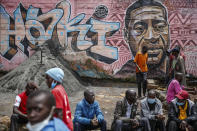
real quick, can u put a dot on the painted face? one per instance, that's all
(37, 109)
(148, 27)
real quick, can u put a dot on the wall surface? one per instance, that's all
(99, 38)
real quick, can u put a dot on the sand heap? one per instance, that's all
(33, 70)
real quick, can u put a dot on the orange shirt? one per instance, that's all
(141, 60)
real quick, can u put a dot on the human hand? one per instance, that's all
(24, 116)
(94, 122)
(134, 123)
(183, 125)
(160, 117)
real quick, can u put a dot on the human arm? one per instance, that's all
(135, 62)
(177, 87)
(16, 107)
(160, 115)
(17, 111)
(99, 114)
(118, 112)
(193, 116)
(79, 115)
(138, 67)
(172, 114)
(146, 113)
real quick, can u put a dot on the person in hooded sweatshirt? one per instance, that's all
(88, 115)
(54, 78)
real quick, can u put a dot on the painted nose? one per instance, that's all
(149, 36)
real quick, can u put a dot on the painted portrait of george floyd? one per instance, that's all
(146, 24)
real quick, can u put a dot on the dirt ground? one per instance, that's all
(106, 96)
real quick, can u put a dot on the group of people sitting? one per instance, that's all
(43, 110)
(182, 113)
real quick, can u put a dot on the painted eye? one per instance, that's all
(159, 25)
(139, 29)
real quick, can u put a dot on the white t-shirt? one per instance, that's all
(17, 101)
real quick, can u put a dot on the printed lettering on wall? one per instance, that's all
(31, 27)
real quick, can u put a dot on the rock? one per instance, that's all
(150, 81)
(5, 120)
(152, 86)
(161, 95)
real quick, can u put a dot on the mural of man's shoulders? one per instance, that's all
(130, 68)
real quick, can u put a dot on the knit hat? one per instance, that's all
(56, 74)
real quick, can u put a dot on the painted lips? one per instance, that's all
(154, 55)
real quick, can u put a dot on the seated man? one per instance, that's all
(174, 87)
(151, 108)
(84, 114)
(182, 113)
(19, 115)
(125, 114)
(40, 109)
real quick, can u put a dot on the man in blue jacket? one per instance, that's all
(85, 113)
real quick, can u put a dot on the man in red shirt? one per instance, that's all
(19, 115)
(54, 77)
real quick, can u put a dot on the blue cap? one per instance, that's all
(56, 74)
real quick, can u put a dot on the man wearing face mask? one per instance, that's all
(174, 87)
(40, 108)
(19, 110)
(88, 115)
(125, 114)
(151, 108)
(54, 77)
(182, 113)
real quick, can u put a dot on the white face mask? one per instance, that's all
(39, 126)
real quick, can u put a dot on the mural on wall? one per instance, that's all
(99, 37)
(182, 16)
(146, 24)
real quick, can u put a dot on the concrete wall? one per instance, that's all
(96, 37)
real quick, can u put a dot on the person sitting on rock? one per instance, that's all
(125, 114)
(86, 110)
(151, 108)
(182, 113)
(40, 108)
(54, 78)
(19, 115)
(174, 87)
